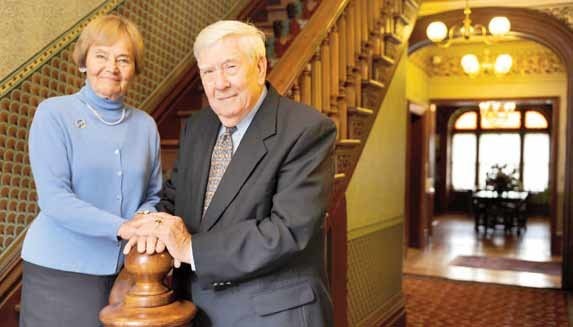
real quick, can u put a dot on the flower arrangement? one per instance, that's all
(500, 178)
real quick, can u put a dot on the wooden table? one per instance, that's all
(491, 208)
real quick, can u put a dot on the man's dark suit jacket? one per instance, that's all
(258, 249)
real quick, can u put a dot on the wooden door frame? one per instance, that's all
(423, 226)
(554, 148)
(556, 35)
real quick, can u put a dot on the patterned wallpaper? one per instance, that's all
(563, 13)
(168, 28)
(374, 270)
(28, 25)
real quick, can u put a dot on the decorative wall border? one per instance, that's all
(374, 227)
(43, 56)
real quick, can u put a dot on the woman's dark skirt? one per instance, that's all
(53, 298)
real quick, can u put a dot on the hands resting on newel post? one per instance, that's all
(154, 232)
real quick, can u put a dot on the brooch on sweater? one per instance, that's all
(80, 123)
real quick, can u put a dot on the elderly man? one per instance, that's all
(249, 193)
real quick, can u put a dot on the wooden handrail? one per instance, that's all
(306, 44)
(9, 260)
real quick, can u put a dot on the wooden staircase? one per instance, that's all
(340, 63)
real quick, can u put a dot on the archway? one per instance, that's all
(557, 36)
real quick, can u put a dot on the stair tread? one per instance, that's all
(265, 24)
(402, 17)
(360, 111)
(413, 3)
(339, 176)
(276, 7)
(348, 142)
(392, 37)
(374, 83)
(185, 113)
(169, 142)
(386, 60)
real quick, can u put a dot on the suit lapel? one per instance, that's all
(204, 140)
(250, 151)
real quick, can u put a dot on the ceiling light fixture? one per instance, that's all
(472, 66)
(439, 33)
(496, 111)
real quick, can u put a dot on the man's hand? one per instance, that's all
(161, 231)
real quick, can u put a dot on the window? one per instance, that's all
(536, 162)
(467, 120)
(534, 119)
(521, 142)
(495, 149)
(463, 161)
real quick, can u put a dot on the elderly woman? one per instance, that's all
(96, 165)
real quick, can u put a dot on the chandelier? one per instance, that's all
(472, 66)
(498, 26)
(439, 33)
(496, 111)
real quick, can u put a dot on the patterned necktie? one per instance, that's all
(222, 153)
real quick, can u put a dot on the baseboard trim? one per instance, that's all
(391, 313)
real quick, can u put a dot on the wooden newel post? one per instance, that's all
(148, 302)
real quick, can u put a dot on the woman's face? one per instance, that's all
(110, 68)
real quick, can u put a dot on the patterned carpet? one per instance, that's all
(500, 263)
(441, 302)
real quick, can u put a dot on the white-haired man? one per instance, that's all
(249, 193)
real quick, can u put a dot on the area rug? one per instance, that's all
(498, 263)
(434, 301)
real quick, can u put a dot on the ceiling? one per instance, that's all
(430, 7)
(529, 58)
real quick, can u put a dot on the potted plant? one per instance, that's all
(500, 178)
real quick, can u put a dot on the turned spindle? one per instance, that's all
(149, 302)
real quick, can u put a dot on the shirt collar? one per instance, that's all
(246, 122)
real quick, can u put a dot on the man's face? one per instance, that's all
(232, 81)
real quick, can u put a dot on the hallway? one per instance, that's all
(454, 235)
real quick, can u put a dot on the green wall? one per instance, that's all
(375, 205)
(375, 195)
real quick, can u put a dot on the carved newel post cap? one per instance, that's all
(148, 302)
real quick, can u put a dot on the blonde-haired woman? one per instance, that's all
(96, 165)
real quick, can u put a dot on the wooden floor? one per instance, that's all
(454, 235)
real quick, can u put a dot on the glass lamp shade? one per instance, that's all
(509, 106)
(470, 64)
(437, 31)
(484, 106)
(503, 64)
(499, 26)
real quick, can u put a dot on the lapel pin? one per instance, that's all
(80, 123)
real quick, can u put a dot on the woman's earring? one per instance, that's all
(82, 69)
